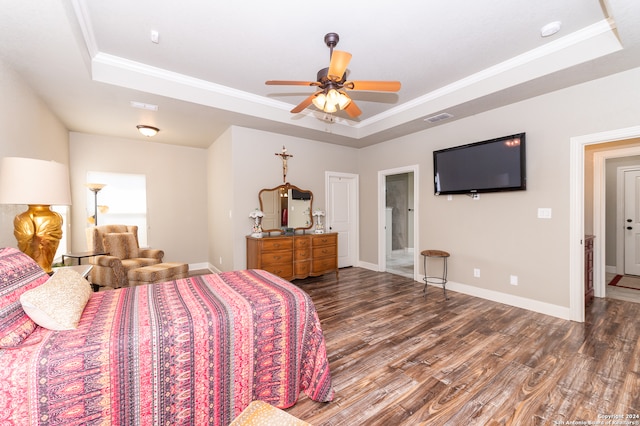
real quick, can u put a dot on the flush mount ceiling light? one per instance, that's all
(147, 131)
(550, 29)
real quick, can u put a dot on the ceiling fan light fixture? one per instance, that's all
(332, 96)
(331, 101)
(331, 81)
(343, 100)
(320, 101)
(329, 107)
(147, 131)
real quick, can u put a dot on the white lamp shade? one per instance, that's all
(329, 107)
(319, 101)
(343, 100)
(36, 182)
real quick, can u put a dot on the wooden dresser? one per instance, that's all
(294, 256)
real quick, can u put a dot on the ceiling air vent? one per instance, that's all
(438, 117)
(142, 105)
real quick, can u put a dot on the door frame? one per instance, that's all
(355, 178)
(382, 176)
(621, 263)
(576, 214)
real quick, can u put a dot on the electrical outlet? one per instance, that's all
(476, 272)
(221, 260)
(513, 280)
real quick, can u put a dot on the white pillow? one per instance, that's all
(58, 303)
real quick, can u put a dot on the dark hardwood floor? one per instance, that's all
(398, 359)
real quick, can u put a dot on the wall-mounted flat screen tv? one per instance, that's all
(488, 166)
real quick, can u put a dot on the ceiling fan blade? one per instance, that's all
(290, 83)
(302, 105)
(375, 86)
(352, 109)
(338, 65)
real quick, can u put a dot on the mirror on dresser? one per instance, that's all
(286, 207)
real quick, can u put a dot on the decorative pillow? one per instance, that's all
(122, 245)
(58, 303)
(18, 273)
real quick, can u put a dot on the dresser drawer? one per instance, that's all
(323, 240)
(276, 257)
(283, 270)
(302, 254)
(321, 266)
(324, 251)
(301, 243)
(269, 244)
(302, 269)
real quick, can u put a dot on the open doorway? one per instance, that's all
(591, 213)
(399, 224)
(398, 221)
(617, 166)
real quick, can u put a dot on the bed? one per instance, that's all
(191, 351)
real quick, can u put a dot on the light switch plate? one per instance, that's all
(544, 213)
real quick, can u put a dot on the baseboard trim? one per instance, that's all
(611, 269)
(203, 265)
(369, 266)
(562, 312)
(557, 311)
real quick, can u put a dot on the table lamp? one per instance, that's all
(38, 184)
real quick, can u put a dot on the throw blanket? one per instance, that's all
(191, 351)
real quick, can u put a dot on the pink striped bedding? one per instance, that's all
(192, 351)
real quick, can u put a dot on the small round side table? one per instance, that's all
(442, 280)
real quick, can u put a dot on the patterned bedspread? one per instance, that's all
(191, 351)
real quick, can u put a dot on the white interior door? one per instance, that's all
(271, 210)
(632, 222)
(342, 215)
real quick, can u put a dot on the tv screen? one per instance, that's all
(488, 166)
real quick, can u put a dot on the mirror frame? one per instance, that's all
(287, 186)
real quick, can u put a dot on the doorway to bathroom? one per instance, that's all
(399, 228)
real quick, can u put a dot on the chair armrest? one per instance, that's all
(118, 276)
(151, 253)
(107, 261)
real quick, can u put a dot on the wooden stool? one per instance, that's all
(435, 280)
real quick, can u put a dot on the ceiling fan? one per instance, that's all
(332, 84)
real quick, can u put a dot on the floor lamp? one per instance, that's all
(39, 184)
(95, 188)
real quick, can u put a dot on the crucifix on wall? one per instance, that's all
(284, 157)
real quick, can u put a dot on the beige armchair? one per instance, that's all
(121, 242)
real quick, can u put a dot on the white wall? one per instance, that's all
(221, 192)
(500, 233)
(27, 129)
(176, 190)
(254, 166)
